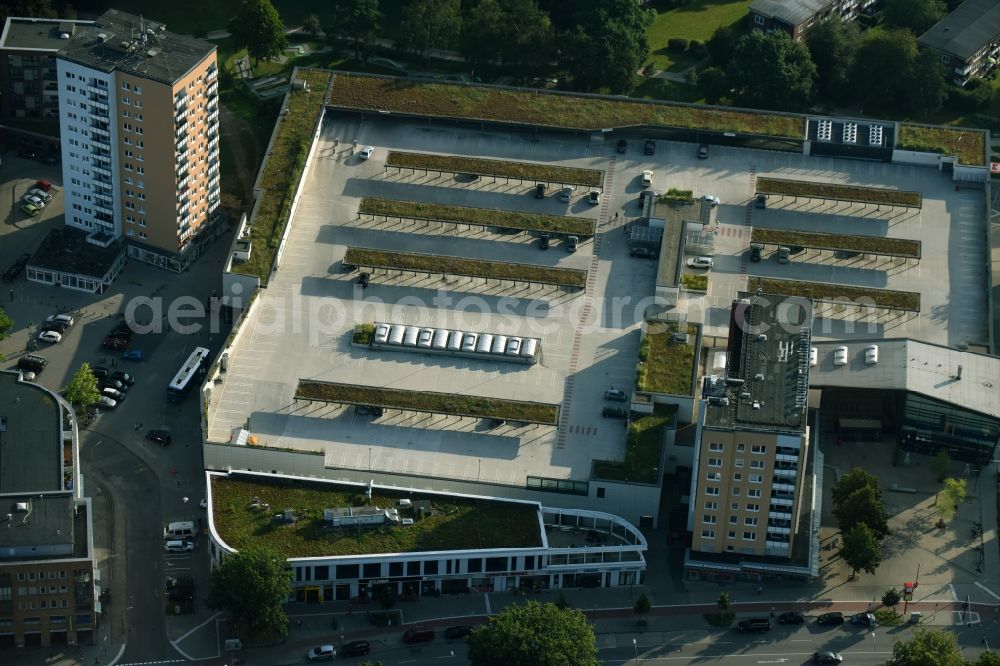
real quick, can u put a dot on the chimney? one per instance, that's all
(958, 375)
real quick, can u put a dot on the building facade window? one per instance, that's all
(708, 534)
(749, 536)
(758, 449)
(712, 490)
(715, 446)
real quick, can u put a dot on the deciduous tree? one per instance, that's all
(940, 464)
(82, 389)
(851, 481)
(713, 84)
(357, 21)
(534, 634)
(914, 15)
(950, 497)
(927, 647)
(430, 24)
(860, 550)
(832, 45)
(258, 27)
(605, 45)
(891, 598)
(642, 605)
(862, 506)
(253, 585)
(769, 70)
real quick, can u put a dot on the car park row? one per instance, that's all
(485, 346)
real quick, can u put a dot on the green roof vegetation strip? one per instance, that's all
(282, 170)
(488, 217)
(868, 195)
(908, 301)
(667, 366)
(428, 401)
(455, 523)
(969, 146)
(476, 268)
(896, 247)
(643, 449)
(549, 109)
(542, 173)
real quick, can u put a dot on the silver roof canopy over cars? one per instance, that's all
(487, 346)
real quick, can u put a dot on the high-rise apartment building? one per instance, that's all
(48, 581)
(749, 484)
(139, 120)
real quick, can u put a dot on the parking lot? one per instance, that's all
(302, 329)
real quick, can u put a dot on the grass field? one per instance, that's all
(968, 146)
(695, 20)
(541, 173)
(475, 268)
(429, 401)
(643, 448)
(667, 366)
(454, 524)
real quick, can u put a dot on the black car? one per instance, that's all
(15, 269)
(827, 657)
(27, 153)
(354, 649)
(791, 617)
(703, 151)
(100, 371)
(543, 242)
(614, 413)
(56, 326)
(363, 280)
(460, 631)
(467, 177)
(649, 147)
(761, 201)
(32, 363)
(643, 252)
(835, 617)
(368, 410)
(161, 437)
(622, 145)
(615, 394)
(760, 624)
(123, 377)
(540, 191)
(756, 251)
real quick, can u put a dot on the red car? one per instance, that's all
(115, 342)
(44, 185)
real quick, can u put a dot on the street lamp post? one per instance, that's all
(635, 646)
(873, 645)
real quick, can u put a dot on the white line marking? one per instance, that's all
(953, 593)
(194, 629)
(988, 590)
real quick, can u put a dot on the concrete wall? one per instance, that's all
(915, 158)
(630, 501)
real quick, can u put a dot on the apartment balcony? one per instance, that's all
(212, 170)
(781, 487)
(786, 473)
(105, 210)
(778, 515)
(105, 217)
(181, 102)
(784, 457)
(107, 193)
(776, 547)
(213, 143)
(103, 133)
(213, 90)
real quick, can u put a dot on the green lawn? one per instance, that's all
(667, 366)
(643, 448)
(695, 20)
(454, 524)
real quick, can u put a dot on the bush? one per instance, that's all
(363, 333)
(967, 100)
(677, 44)
(697, 47)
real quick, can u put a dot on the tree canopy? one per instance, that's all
(253, 585)
(514, 34)
(853, 480)
(259, 29)
(863, 506)
(604, 44)
(82, 389)
(769, 70)
(860, 550)
(534, 634)
(358, 21)
(430, 24)
(928, 647)
(914, 15)
(832, 45)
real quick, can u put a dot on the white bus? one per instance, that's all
(188, 375)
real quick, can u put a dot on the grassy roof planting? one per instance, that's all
(429, 401)
(282, 170)
(667, 366)
(868, 195)
(477, 268)
(537, 107)
(969, 146)
(643, 449)
(543, 173)
(897, 247)
(821, 291)
(455, 523)
(489, 217)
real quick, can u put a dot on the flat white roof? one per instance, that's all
(920, 367)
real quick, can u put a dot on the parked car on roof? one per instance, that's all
(649, 147)
(321, 653)
(133, 355)
(62, 318)
(30, 209)
(622, 145)
(647, 178)
(615, 394)
(49, 336)
(367, 152)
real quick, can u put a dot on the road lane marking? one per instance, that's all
(987, 590)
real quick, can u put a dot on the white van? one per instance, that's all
(178, 546)
(180, 530)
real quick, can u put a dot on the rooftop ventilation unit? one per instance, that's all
(824, 130)
(850, 132)
(875, 135)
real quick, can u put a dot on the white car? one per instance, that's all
(712, 199)
(367, 152)
(59, 319)
(813, 357)
(647, 178)
(49, 336)
(567, 193)
(700, 262)
(40, 193)
(595, 197)
(871, 354)
(840, 355)
(321, 653)
(29, 198)
(106, 402)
